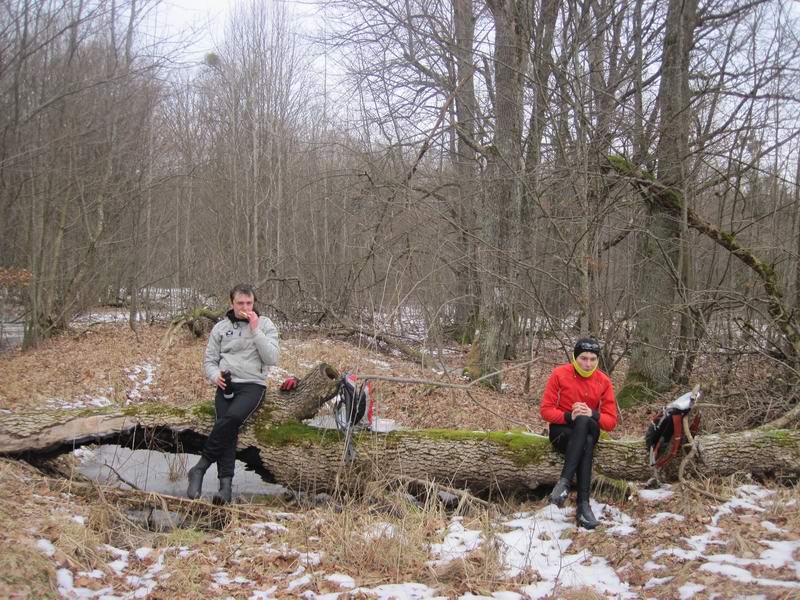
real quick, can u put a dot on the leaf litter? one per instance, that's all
(646, 547)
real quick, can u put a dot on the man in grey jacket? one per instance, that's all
(239, 350)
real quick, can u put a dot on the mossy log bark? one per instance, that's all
(283, 449)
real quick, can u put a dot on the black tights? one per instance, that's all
(576, 442)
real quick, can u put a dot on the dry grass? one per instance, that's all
(351, 534)
(380, 536)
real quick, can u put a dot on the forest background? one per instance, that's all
(505, 170)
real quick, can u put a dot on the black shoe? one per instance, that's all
(225, 491)
(195, 475)
(585, 517)
(560, 492)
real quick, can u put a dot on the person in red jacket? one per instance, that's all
(578, 402)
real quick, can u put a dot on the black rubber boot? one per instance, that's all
(583, 511)
(560, 492)
(195, 475)
(585, 517)
(225, 491)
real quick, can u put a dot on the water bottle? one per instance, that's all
(228, 392)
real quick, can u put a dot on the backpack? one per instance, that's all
(665, 433)
(352, 401)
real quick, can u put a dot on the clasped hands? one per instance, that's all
(580, 409)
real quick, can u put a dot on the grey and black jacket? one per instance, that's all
(235, 347)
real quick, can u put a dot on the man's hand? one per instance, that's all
(220, 381)
(580, 409)
(289, 384)
(252, 317)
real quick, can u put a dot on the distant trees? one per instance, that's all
(76, 99)
(463, 158)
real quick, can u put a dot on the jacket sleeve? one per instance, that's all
(266, 341)
(212, 356)
(549, 407)
(608, 409)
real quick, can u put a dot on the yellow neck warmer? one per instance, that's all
(580, 371)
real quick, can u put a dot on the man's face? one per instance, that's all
(242, 305)
(586, 360)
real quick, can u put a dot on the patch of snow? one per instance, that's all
(46, 546)
(83, 452)
(494, 596)
(380, 530)
(310, 559)
(534, 544)
(263, 595)
(457, 543)
(381, 364)
(663, 516)
(656, 581)
(83, 401)
(79, 519)
(652, 566)
(744, 576)
(278, 374)
(344, 581)
(293, 585)
(93, 574)
(221, 578)
(274, 527)
(688, 590)
(663, 493)
(142, 553)
(141, 376)
(735, 504)
(385, 425)
(623, 524)
(399, 591)
(771, 527)
(309, 595)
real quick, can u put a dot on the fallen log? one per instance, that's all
(282, 449)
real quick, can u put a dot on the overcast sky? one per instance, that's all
(207, 18)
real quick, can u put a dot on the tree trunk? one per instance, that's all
(282, 449)
(513, 21)
(651, 367)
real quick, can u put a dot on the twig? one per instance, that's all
(456, 386)
(463, 494)
(121, 478)
(693, 441)
(461, 386)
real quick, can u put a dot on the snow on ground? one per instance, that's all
(141, 376)
(779, 554)
(538, 545)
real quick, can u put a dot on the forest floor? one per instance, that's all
(663, 543)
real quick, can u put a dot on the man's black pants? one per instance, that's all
(220, 447)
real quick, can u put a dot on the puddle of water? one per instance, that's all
(11, 335)
(324, 419)
(327, 421)
(163, 473)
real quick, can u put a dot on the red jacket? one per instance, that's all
(565, 387)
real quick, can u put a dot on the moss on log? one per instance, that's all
(278, 444)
